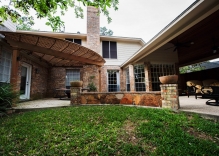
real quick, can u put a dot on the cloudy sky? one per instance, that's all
(135, 18)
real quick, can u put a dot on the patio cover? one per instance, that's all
(52, 51)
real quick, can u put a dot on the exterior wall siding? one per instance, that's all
(124, 51)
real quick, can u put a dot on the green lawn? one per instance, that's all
(107, 130)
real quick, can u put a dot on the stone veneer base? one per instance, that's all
(128, 98)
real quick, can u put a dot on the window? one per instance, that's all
(113, 80)
(5, 66)
(139, 78)
(127, 80)
(72, 75)
(78, 41)
(109, 49)
(158, 70)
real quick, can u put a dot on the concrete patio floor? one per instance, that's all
(186, 104)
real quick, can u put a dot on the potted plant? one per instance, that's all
(169, 79)
(91, 85)
(76, 83)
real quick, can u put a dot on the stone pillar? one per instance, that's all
(93, 29)
(132, 78)
(170, 96)
(75, 95)
(147, 71)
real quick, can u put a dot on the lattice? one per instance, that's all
(13, 36)
(61, 62)
(47, 57)
(45, 42)
(55, 60)
(71, 48)
(88, 54)
(80, 51)
(29, 39)
(94, 57)
(39, 54)
(59, 45)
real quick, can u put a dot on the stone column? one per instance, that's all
(170, 96)
(132, 78)
(93, 29)
(75, 95)
(147, 71)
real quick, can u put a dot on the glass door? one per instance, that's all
(25, 81)
(113, 81)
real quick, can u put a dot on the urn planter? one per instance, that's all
(169, 79)
(76, 83)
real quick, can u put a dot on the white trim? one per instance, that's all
(28, 86)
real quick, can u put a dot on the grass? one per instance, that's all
(107, 130)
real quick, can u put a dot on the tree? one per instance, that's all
(191, 68)
(105, 32)
(49, 9)
(25, 23)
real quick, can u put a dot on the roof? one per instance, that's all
(52, 51)
(196, 12)
(83, 36)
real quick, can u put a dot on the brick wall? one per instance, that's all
(38, 87)
(57, 77)
(93, 29)
(87, 72)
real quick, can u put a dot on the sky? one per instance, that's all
(134, 18)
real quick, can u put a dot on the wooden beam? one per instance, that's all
(14, 70)
(99, 79)
(35, 59)
(51, 52)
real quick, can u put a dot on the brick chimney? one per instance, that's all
(93, 29)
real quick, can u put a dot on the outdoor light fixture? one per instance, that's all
(18, 58)
(37, 71)
(214, 49)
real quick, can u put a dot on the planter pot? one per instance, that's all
(169, 79)
(76, 83)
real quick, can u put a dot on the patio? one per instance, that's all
(186, 104)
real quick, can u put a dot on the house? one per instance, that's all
(40, 62)
(118, 63)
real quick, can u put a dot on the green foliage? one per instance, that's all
(7, 95)
(25, 23)
(107, 130)
(92, 87)
(91, 84)
(55, 23)
(191, 68)
(105, 32)
(15, 9)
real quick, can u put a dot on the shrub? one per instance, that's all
(7, 95)
(92, 87)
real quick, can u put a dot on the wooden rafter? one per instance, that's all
(52, 52)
